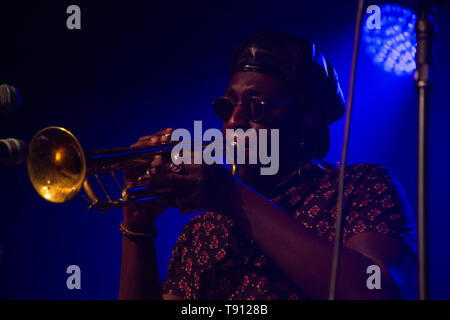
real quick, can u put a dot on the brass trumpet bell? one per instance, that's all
(56, 164)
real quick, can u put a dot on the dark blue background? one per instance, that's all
(134, 69)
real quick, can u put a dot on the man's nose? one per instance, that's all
(237, 119)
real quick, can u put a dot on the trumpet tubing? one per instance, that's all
(59, 168)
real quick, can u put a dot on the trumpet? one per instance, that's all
(59, 168)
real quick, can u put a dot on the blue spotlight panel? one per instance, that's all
(393, 44)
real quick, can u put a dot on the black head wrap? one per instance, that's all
(312, 80)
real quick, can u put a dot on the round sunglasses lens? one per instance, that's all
(223, 108)
(254, 109)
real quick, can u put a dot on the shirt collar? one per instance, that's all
(306, 171)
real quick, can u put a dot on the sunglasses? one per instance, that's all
(254, 108)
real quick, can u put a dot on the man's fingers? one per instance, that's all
(147, 137)
(146, 141)
(171, 180)
(165, 131)
(162, 134)
(156, 161)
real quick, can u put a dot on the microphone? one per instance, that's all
(12, 151)
(9, 99)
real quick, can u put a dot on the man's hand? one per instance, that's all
(198, 187)
(141, 216)
(191, 187)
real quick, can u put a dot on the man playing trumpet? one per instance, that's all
(271, 236)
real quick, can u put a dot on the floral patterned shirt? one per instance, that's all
(213, 260)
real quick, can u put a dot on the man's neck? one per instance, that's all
(265, 184)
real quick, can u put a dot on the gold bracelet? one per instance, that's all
(136, 235)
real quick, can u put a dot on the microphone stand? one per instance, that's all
(425, 29)
(340, 216)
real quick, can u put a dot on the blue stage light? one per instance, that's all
(393, 44)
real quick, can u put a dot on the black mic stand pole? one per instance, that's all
(425, 30)
(340, 216)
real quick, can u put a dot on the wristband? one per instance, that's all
(137, 235)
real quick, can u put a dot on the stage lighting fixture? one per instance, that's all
(392, 44)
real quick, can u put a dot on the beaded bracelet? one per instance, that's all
(137, 235)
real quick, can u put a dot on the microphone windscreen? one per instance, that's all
(13, 151)
(9, 98)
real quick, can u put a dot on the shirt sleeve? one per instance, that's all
(203, 242)
(379, 204)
